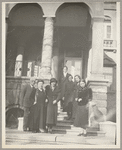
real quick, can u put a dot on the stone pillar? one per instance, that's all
(97, 47)
(96, 79)
(89, 64)
(19, 62)
(55, 63)
(55, 54)
(45, 71)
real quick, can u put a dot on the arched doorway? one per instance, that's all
(73, 31)
(25, 28)
(24, 39)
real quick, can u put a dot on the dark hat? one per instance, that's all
(40, 80)
(53, 80)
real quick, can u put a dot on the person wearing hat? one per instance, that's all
(84, 96)
(27, 101)
(38, 114)
(53, 96)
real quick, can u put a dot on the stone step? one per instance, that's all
(66, 122)
(96, 133)
(63, 113)
(92, 129)
(60, 126)
(66, 131)
(66, 127)
(60, 116)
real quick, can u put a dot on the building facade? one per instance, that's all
(43, 37)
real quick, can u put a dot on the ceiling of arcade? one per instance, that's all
(71, 24)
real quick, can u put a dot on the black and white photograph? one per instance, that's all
(61, 74)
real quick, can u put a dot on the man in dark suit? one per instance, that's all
(62, 82)
(27, 101)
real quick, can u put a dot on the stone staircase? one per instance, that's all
(66, 127)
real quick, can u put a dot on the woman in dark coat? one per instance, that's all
(53, 96)
(39, 112)
(68, 96)
(84, 96)
(75, 104)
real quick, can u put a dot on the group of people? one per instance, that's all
(40, 104)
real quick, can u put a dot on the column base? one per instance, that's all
(99, 97)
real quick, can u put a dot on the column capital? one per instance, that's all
(98, 18)
(49, 16)
(49, 19)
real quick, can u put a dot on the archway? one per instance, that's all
(25, 28)
(73, 31)
(25, 22)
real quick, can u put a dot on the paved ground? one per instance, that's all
(15, 137)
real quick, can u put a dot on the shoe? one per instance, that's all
(30, 130)
(38, 131)
(46, 131)
(34, 131)
(49, 130)
(80, 134)
(85, 135)
(42, 130)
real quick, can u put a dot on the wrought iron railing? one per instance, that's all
(22, 68)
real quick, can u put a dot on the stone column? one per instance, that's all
(45, 71)
(96, 79)
(19, 62)
(97, 47)
(55, 63)
(55, 54)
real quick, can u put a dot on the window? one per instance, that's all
(107, 28)
(108, 31)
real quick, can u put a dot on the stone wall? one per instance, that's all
(13, 89)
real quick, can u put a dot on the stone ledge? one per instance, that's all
(99, 96)
(108, 127)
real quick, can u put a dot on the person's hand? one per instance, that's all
(54, 102)
(34, 103)
(21, 107)
(76, 99)
(46, 100)
(63, 98)
(80, 99)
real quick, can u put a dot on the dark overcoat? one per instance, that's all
(27, 96)
(62, 82)
(52, 108)
(75, 104)
(69, 93)
(81, 118)
(38, 112)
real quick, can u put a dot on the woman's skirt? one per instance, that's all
(81, 118)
